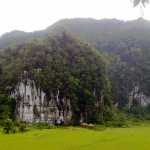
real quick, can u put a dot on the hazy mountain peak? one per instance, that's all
(88, 29)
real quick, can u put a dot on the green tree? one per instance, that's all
(8, 126)
(7, 107)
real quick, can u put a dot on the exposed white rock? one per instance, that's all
(32, 104)
(139, 97)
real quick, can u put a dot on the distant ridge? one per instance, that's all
(97, 32)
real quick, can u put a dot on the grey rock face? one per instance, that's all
(33, 105)
(139, 97)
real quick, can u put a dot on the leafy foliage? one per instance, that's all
(7, 107)
(8, 126)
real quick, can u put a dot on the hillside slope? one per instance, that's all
(107, 34)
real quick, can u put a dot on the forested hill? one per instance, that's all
(107, 34)
(119, 75)
(16, 37)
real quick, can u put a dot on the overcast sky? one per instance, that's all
(30, 15)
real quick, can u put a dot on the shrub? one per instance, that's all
(8, 126)
(119, 120)
(43, 126)
(22, 126)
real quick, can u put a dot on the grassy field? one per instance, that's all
(135, 138)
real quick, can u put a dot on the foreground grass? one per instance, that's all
(133, 138)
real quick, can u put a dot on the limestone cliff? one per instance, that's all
(33, 104)
(136, 96)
